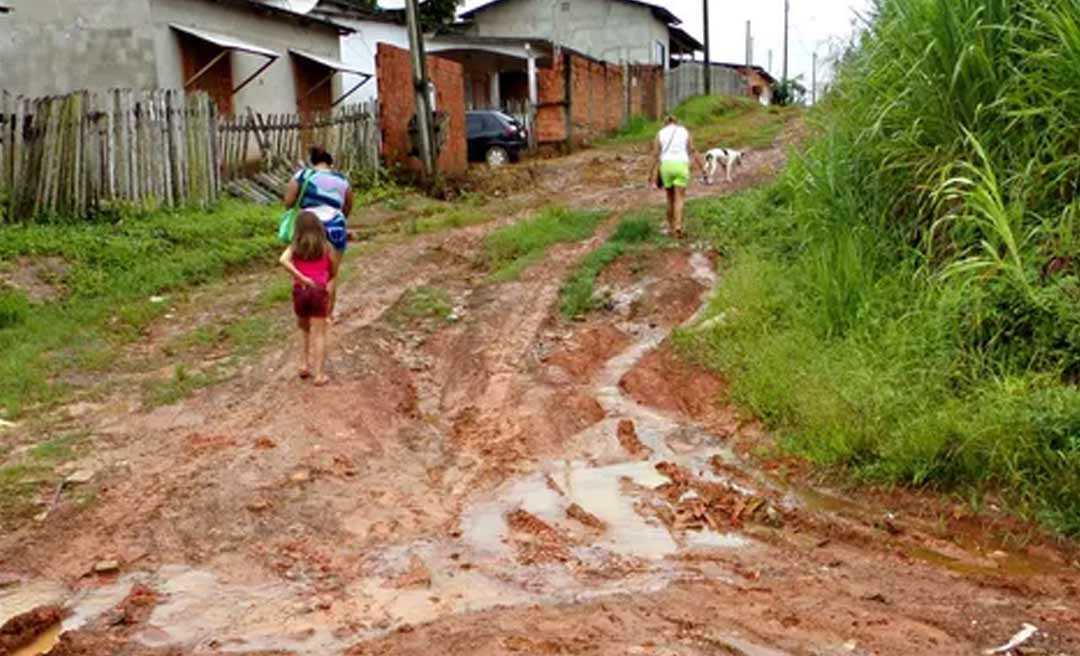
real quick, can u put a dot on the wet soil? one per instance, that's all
(507, 483)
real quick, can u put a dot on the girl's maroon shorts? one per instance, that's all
(310, 302)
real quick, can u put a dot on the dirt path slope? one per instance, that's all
(506, 483)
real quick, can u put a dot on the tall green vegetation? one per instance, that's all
(905, 302)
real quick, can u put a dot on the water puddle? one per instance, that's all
(43, 644)
(618, 549)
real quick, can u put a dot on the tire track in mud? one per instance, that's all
(458, 493)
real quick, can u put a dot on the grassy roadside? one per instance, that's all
(113, 282)
(510, 250)
(904, 304)
(716, 120)
(577, 295)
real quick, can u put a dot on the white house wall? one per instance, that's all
(358, 49)
(58, 46)
(274, 91)
(609, 30)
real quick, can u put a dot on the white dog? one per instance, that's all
(721, 156)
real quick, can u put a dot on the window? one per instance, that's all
(661, 54)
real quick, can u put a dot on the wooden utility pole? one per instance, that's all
(422, 89)
(813, 82)
(708, 64)
(787, 10)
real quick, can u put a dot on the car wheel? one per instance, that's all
(497, 156)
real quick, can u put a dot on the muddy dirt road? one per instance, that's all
(506, 483)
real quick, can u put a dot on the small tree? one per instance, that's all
(790, 92)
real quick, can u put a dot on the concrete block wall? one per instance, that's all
(397, 105)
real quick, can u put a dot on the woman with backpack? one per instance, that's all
(327, 194)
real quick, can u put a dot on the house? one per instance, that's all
(617, 31)
(359, 46)
(760, 84)
(244, 53)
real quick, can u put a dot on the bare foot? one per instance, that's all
(321, 381)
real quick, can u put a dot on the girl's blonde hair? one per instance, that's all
(309, 237)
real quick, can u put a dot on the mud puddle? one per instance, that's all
(43, 644)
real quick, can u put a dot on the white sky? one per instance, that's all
(813, 23)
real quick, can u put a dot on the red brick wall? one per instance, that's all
(598, 103)
(397, 104)
(598, 100)
(550, 117)
(647, 91)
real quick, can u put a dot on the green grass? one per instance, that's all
(904, 304)
(715, 120)
(576, 297)
(114, 269)
(510, 250)
(180, 385)
(424, 305)
(26, 476)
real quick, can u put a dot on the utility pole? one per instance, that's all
(749, 61)
(813, 82)
(770, 61)
(708, 64)
(787, 10)
(422, 90)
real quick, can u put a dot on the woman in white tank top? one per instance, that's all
(673, 150)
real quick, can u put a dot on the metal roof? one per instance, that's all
(290, 15)
(683, 38)
(329, 62)
(227, 42)
(659, 12)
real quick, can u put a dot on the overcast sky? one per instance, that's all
(812, 24)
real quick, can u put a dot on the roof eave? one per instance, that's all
(302, 19)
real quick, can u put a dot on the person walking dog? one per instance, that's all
(672, 153)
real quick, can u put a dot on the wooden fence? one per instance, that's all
(271, 140)
(688, 81)
(72, 155)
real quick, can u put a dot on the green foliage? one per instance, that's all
(905, 302)
(510, 250)
(26, 475)
(114, 270)
(577, 296)
(422, 304)
(182, 383)
(790, 92)
(13, 307)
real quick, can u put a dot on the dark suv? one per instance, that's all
(494, 137)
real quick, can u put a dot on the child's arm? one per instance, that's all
(286, 261)
(333, 269)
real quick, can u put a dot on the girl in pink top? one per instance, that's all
(313, 271)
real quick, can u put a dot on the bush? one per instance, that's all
(905, 302)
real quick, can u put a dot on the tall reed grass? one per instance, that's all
(905, 302)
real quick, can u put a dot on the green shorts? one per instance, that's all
(674, 174)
